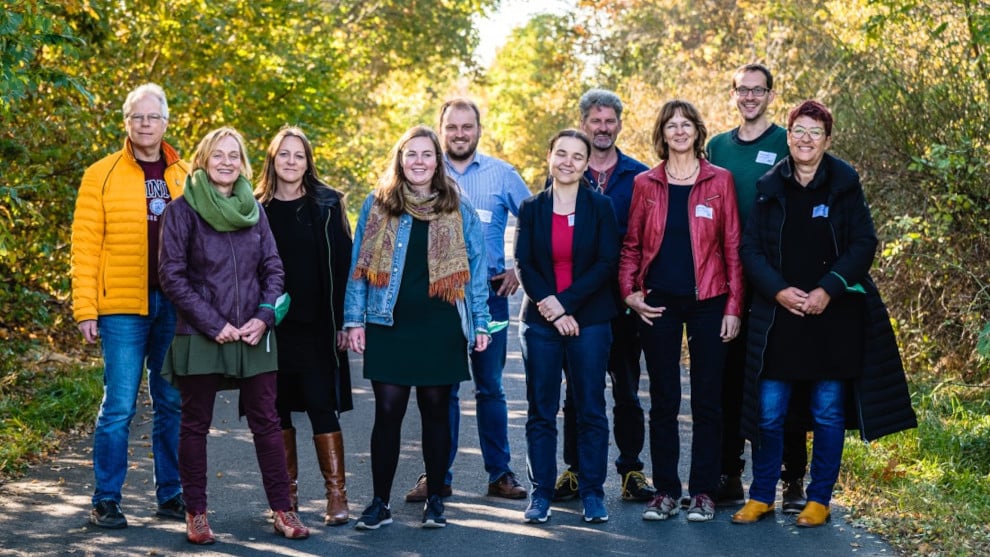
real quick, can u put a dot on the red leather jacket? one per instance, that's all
(714, 226)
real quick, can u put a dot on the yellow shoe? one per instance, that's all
(751, 512)
(813, 515)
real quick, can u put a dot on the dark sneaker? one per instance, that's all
(730, 491)
(566, 487)
(198, 529)
(661, 507)
(377, 514)
(701, 509)
(433, 513)
(418, 493)
(636, 488)
(173, 508)
(594, 510)
(507, 487)
(793, 499)
(538, 511)
(107, 514)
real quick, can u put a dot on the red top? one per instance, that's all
(562, 248)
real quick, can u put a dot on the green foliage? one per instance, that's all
(39, 405)
(890, 485)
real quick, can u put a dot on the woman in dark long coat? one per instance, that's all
(309, 222)
(817, 318)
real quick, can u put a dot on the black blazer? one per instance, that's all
(596, 257)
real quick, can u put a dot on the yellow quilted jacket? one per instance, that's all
(110, 234)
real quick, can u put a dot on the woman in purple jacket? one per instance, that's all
(220, 267)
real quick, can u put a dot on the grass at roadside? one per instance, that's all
(38, 408)
(927, 491)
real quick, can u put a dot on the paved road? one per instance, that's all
(45, 514)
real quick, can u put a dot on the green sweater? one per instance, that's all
(748, 160)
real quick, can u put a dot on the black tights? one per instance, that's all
(391, 402)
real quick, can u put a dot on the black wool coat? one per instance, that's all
(878, 403)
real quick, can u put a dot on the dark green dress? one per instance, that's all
(425, 345)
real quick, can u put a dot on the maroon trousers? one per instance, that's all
(258, 401)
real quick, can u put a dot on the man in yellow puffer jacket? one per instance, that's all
(116, 297)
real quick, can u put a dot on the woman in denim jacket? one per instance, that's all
(416, 300)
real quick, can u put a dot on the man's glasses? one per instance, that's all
(151, 118)
(758, 92)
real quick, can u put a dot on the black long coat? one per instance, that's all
(878, 403)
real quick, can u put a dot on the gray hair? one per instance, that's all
(152, 90)
(600, 97)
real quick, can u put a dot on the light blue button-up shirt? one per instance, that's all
(495, 189)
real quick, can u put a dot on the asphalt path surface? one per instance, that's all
(46, 512)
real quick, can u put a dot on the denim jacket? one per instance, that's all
(366, 303)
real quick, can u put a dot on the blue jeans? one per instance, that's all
(130, 343)
(828, 414)
(492, 411)
(544, 351)
(662, 346)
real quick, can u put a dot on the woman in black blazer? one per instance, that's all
(567, 251)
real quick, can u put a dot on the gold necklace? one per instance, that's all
(697, 165)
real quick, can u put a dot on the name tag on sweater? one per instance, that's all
(766, 157)
(820, 211)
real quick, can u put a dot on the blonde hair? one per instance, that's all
(209, 143)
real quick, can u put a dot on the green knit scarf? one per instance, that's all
(224, 214)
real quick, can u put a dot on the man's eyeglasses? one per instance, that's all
(797, 132)
(151, 118)
(758, 92)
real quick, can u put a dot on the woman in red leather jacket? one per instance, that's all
(679, 266)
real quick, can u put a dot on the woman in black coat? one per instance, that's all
(310, 226)
(817, 318)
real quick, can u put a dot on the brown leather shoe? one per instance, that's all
(418, 493)
(507, 487)
(752, 512)
(813, 515)
(330, 455)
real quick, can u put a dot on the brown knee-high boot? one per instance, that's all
(292, 464)
(330, 453)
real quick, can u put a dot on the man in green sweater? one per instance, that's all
(749, 151)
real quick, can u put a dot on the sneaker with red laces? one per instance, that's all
(701, 509)
(288, 524)
(661, 507)
(198, 529)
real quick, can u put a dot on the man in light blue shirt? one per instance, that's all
(495, 189)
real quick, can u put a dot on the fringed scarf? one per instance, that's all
(446, 252)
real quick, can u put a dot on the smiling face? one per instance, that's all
(751, 107)
(223, 166)
(143, 129)
(806, 150)
(680, 134)
(419, 161)
(460, 133)
(568, 160)
(290, 161)
(602, 126)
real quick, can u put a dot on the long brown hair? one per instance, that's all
(268, 183)
(389, 191)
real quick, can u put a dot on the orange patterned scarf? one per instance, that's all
(446, 251)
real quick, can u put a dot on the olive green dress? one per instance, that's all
(425, 346)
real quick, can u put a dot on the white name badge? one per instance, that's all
(570, 220)
(766, 157)
(704, 211)
(821, 211)
(484, 216)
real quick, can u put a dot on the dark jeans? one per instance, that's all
(628, 423)
(795, 462)
(662, 346)
(544, 351)
(258, 401)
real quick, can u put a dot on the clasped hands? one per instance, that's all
(803, 303)
(553, 311)
(251, 332)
